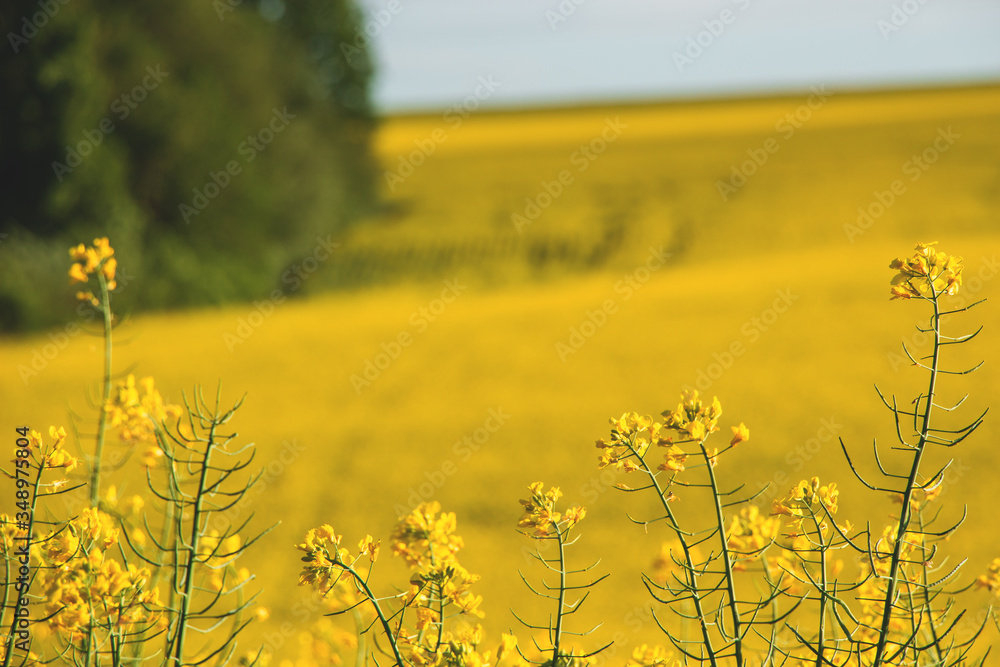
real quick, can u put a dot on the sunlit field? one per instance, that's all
(541, 271)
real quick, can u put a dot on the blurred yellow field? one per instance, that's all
(495, 371)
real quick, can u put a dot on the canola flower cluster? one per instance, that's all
(540, 518)
(87, 595)
(693, 421)
(927, 272)
(440, 587)
(54, 456)
(98, 258)
(86, 590)
(425, 539)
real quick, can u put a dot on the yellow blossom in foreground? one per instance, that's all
(455, 649)
(85, 588)
(323, 562)
(540, 515)
(574, 515)
(632, 435)
(87, 261)
(508, 643)
(694, 418)
(673, 459)
(370, 547)
(53, 456)
(425, 538)
(740, 434)
(806, 498)
(927, 274)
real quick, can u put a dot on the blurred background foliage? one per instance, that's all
(79, 77)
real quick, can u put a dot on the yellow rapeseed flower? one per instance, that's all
(370, 547)
(632, 435)
(927, 274)
(740, 434)
(692, 417)
(539, 510)
(508, 643)
(86, 261)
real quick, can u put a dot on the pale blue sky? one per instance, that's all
(431, 53)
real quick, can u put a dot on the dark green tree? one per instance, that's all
(212, 141)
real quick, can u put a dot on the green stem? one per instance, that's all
(359, 580)
(911, 482)
(440, 600)
(102, 419)
(557, 640)
(821, 639)
(928, 603)
(689, 560)
(192, 555)
(726, 560)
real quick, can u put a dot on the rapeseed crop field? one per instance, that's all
(532, 274)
